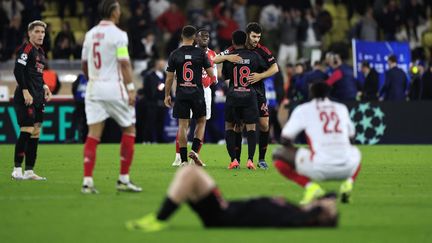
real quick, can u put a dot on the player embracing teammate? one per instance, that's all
(202, 40)
(254, 31)
(187, 63)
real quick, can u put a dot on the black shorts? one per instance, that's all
(262, 106)
(244, 114)
(29, 115)
(182, 109)
(256, 212)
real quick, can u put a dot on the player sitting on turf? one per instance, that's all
(193, 185)
(330, 156)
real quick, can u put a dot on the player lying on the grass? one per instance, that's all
(193, 185)
(330, 156)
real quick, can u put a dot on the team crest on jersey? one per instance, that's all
(24, 57)
(188, 57)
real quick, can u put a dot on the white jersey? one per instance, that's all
(328, 129)
(104, 45)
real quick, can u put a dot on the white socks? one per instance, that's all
(88, 181)
(124, 178)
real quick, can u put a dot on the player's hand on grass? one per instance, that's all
(47, 93)
(167, 101)
(132, 96)
(28, 99)
(235, 58)
(254, 77)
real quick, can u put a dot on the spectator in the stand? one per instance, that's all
(416, 87)
(239, 14)
(324, 20)
(63, 49)
(390, 19)
(208, 22)
(46, 46)
(415, 13)
(227, 25)
(33, 10)
(12, 8)
(153, 92)
(396, 82)
(270, 19)
(298, 89)
(91, 12)
(289, 28)
(171, 22)
(317, 74)
(79, 123)
(139, 23)
(427, 85)
(146, 49)
(309, 34)
(13, 37)
(342, 81)
(65, 33)
(367, 27)
(51, 79)
(157, 8)
(369, 91)
(62, 4)
(172, 19)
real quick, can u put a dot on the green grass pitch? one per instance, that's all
(392, 198)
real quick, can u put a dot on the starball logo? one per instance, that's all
(369, 123)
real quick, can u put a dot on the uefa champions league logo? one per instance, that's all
(369, 123)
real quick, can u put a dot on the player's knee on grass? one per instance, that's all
(285, 154)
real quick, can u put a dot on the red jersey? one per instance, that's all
(206, 80)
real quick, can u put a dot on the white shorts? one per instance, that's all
(208, 101)
(99, 110)
(320, 170)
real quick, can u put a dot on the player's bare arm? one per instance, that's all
(211, 74)
(84, 67)
(126, 70)
(168, 84)
(47, 93)
(234, 58)
(256, 77)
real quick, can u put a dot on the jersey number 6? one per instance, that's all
(187, 72)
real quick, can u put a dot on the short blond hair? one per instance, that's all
(35, 23)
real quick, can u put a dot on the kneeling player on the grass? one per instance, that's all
(193, 185)
(330, 156)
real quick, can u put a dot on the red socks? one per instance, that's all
(177, 144)
(126, 152)
(90, 155)
(289, 172)
(354, 177)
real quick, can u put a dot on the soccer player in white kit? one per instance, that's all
(330, 155)
(110, 93)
